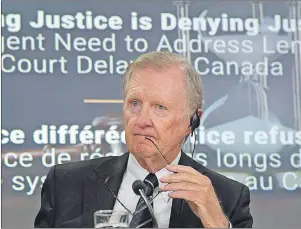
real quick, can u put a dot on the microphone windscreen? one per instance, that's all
(137, 185)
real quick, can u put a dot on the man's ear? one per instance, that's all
(200, 113)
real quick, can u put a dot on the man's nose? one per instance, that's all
(144, 118)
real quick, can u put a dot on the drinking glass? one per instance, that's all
(111, 219)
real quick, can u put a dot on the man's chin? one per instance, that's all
(143, 151)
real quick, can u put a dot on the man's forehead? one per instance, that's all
(161, 89)
(173, 72)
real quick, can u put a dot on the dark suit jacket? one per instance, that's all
(72, 192)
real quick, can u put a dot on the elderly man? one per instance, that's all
(162, 106)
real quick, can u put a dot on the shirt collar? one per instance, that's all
(136, 169)
(165, 172)
(140, 173)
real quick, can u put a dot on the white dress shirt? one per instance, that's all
(162, 203)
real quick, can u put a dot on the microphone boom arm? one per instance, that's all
(155, 223)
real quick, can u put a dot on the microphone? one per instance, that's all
(138, 184)
(157, 149)
(139, 188)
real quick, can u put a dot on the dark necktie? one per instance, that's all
(151, 183)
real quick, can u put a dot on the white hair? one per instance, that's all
(164, 60)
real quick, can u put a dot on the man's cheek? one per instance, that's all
(131, 121)
(165, 141)
(129, 137)
(171, 130)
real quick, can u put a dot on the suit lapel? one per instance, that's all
(181, 214)
(96, 195)
(176, 213)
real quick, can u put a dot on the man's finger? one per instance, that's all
(180, 177)
(183, 186)
(182, 169)
(186, 177)
(186, 195)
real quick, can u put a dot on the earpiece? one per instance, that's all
(194, 121)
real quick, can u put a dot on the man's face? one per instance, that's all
(155, 107)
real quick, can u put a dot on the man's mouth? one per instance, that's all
(144, 135)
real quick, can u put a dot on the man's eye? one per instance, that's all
(135, 103)
(161, 107)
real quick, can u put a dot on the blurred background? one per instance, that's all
(251, 74)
